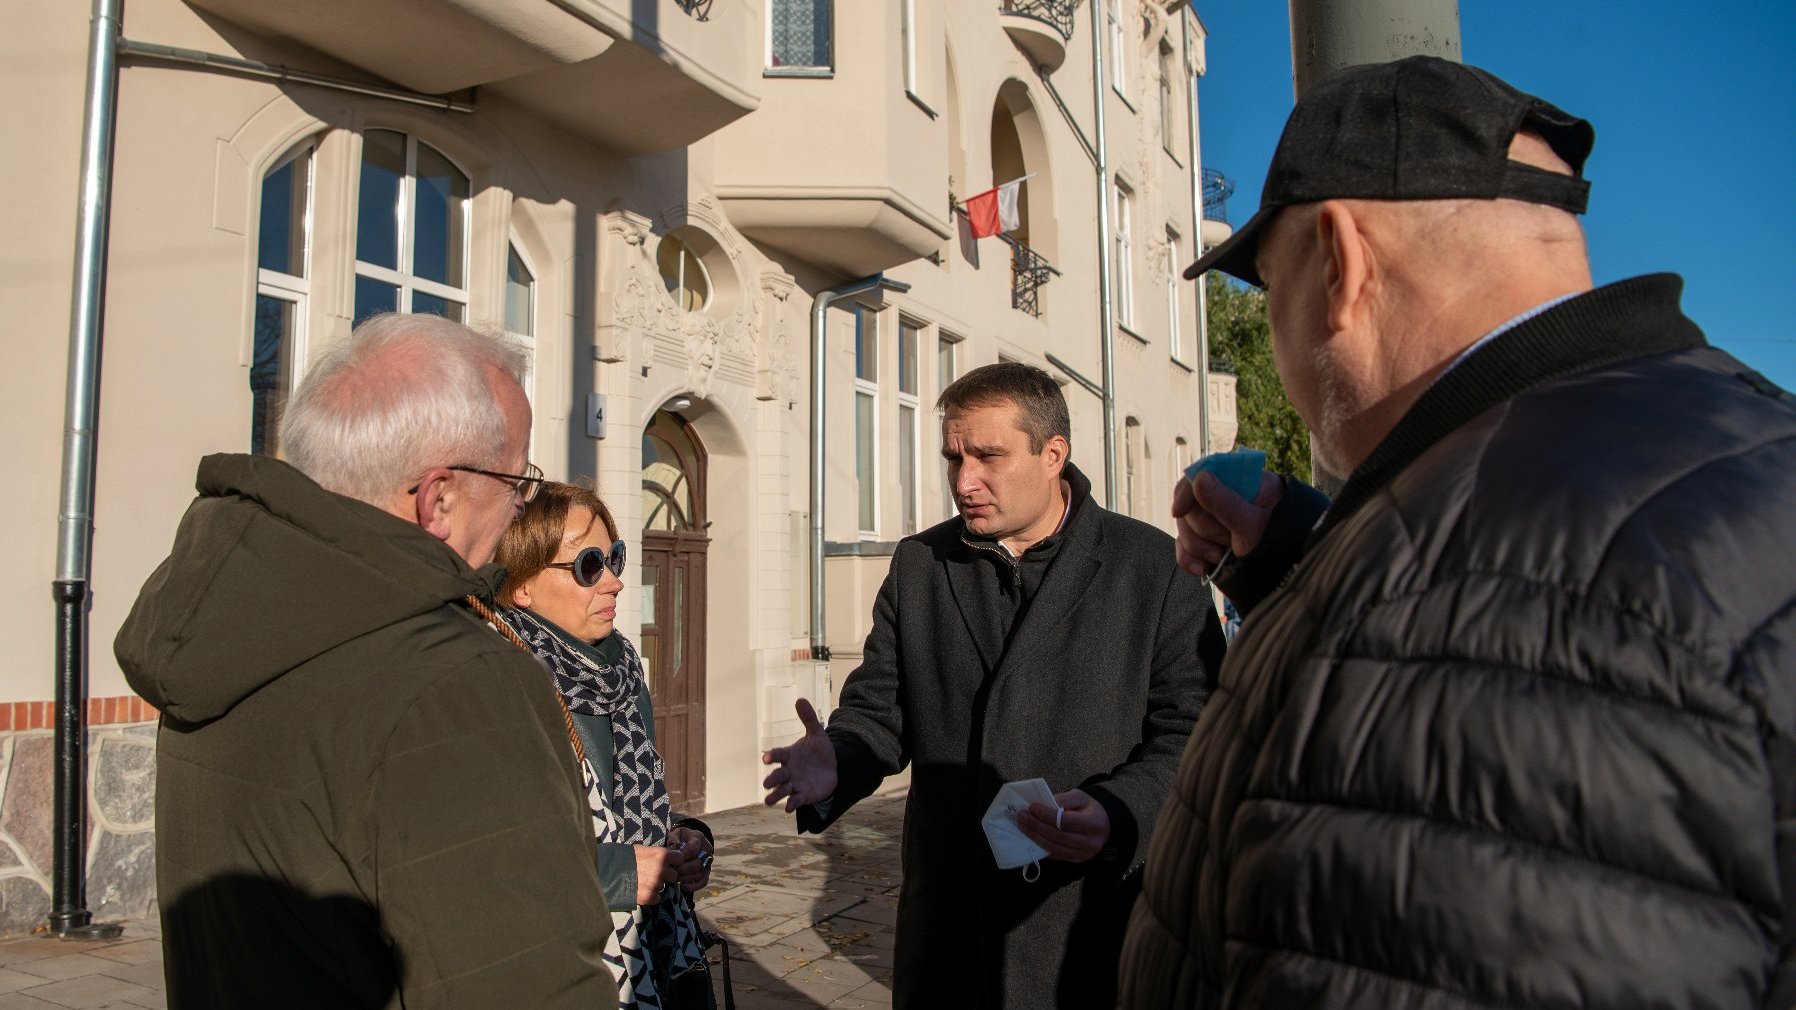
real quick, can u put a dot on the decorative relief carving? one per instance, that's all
(776, 377)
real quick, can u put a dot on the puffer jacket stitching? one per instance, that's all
(1509, 837)
(1350, 966)
(1660, 634)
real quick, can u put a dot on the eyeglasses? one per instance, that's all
(591, 562)
(525, 485)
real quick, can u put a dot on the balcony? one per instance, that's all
(1041, 29)
(1028, 272)
(634, 76)
(854, 178)
(1217, 190)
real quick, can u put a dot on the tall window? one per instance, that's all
(683, 274)
(910, 336)
(907, 26)
(411, 243)
(945, 374)
(1119, 70)
(1167, 102)
(1124, 267)
(866, 416)
(520, 308)
(1134, 475)
(799, 35)
(283, 255)
(1172, 295)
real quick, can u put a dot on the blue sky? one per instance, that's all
(1694, 170)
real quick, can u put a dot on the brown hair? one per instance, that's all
(1041, 407)
(533, 541)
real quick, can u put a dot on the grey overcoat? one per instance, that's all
(1098, 689)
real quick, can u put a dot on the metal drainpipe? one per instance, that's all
(1106, 310)
(1197, 248)
(819, 314)
(69, 916)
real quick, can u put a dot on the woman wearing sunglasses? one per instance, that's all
(564, 566)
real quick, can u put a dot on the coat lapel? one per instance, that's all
(1068, 578)
(974, 581)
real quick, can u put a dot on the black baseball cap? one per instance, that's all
(1421, 128)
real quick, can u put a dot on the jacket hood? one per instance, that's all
(270, 570)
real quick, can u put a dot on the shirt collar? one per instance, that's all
(1501, 329)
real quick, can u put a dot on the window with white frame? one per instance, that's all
(520, 308)
(946, 371)
(1167, 101)
(411, 243)
(683, 274)
(1123, 270)
(800, 36)
(283, 268)
(910, 337)
(1134, 471)
(1119, 69)
(866, 418)
(907, 27)
(1173, 342)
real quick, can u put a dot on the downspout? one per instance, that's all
(69, 916)
(819, 315)
(1197, 249)
(1106, 309)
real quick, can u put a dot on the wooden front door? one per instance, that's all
(672, 577)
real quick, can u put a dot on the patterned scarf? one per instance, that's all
(648, 942)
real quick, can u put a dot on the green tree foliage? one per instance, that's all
(1241, 342)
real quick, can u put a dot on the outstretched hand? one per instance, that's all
(806, 771)
(1214, 521)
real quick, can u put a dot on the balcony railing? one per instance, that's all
(1028, 272)
(1217, 190)
(1056, 13)
(699, 9)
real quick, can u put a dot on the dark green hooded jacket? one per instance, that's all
(365, 797)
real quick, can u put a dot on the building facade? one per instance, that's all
(652, 197)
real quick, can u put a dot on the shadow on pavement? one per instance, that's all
(810, 920)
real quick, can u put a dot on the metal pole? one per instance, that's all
(69, 916)
(1106, 308)
(819, 345)
(251, 68)
(1197, 249)
(1327, 35)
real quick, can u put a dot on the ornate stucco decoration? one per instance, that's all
(776, 377)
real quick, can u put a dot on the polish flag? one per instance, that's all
(995, 210)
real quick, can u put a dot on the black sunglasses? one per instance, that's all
(591, 563)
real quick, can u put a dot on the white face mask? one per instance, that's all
(1010, 847)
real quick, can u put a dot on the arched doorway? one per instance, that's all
(673, 600)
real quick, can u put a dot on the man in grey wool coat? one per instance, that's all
(1034, 635)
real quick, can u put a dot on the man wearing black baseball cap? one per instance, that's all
(1512, 721)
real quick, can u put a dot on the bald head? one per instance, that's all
(1371, 299)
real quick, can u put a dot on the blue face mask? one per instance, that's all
(1238, 471)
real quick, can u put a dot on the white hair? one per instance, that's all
(403, 394)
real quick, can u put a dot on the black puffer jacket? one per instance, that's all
(1519, 730)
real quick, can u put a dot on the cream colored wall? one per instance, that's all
(192, 147)
(42, 54)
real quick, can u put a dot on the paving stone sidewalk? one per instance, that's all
(809, 922)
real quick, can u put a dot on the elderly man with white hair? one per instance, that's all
(365, 796)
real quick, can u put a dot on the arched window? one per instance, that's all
(283, 270)
(673, 494)
(411, 244)
(683, 274)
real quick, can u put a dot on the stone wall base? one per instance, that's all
(121, 838)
